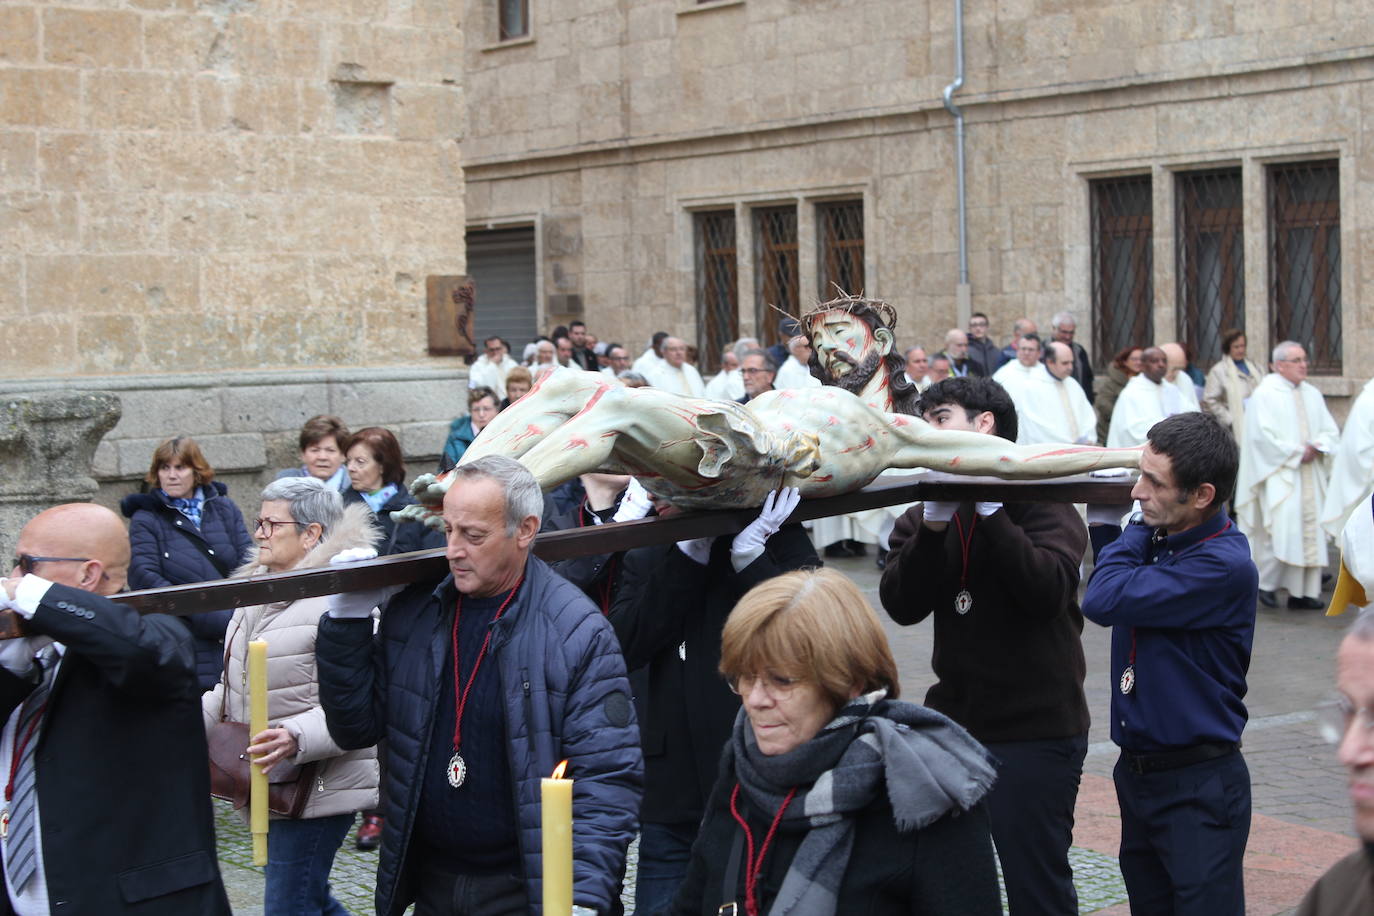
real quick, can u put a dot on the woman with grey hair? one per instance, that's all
(302, 523)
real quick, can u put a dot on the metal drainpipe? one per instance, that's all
(964, 296)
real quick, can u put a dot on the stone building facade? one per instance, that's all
(1162, 169)
(225, 212)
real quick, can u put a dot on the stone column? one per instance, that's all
(47, 441)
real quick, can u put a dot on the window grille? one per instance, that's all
(515, 18)
(1123, 283)
(776, 272)
(717, 289)
(1305, 260)
(840, 232)
(1210, 259)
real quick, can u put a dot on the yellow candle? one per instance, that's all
(557, 830)
(257, 721)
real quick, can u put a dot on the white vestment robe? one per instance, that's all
(1352, 470)
(1278, 498)
(1141, 404)
(792, 374)
(485, 373)
(1051, 410)
(726, 386)
(683, 379)
(648, 361)
(1013, 375)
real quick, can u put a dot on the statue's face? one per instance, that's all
(844, 343)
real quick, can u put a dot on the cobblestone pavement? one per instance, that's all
(1301, 812)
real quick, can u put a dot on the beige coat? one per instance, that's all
(346, 781)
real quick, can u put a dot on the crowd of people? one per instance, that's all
(726, 699)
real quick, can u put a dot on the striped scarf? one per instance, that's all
(926, 764)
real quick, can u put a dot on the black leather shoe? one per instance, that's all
(881, 560)
(1268, 599)
(1305, 604)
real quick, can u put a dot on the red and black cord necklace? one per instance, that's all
(457, 766)
(753, 865)
(963, 601)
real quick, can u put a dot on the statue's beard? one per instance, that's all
(859, 376)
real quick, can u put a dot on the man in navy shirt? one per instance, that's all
(1179, 589)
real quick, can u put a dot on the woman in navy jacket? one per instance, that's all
(187, 530)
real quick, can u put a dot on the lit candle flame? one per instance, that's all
(558, 770)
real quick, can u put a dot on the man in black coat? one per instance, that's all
(668, 612)
(1001, 585)
(122, 821)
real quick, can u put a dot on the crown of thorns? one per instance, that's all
(846, 302)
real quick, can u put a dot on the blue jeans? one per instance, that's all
(300, 854)
(665, 850)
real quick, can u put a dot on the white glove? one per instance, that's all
(986, 509)
(361, 603)
(635, 504)
(699, 549)
(938, 511)
(778, 506)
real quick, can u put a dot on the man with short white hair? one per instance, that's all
(917, 368)
(479, 685)
(490, 369)
(676, 374)
(956, 348)
(939, 370)
(1284, 465)
(1019, 328)
(1056, 409)
(758, 371)
(728, 384)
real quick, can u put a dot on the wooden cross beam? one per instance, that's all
(557, 545)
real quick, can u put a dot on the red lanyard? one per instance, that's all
(1131, 661)
(460, 693)
(21, 742)
(965, 544)
(753, 867)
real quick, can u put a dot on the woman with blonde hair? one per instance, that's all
(833, 795)
(186, 529)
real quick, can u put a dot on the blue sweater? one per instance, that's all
(1188, 604)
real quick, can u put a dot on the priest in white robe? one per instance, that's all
(728, 383)
(676, 374)
(1352, 470)
(1023, 371)
(795, 371)
(490, 369)
(1146, 399)
(1177, 360)
(651, 358)
(1284, 464)
(1054, 408)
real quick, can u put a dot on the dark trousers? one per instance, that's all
(1183, 835)
(1031, 810)
(665, 850)
(444, 893)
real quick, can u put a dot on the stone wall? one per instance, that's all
(658, 108)
(221, 185)
(247, 424)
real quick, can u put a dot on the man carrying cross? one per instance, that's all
(480, 686)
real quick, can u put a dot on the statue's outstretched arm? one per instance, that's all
(979, 454)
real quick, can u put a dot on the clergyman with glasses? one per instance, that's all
(1179, 589)
(107, 806)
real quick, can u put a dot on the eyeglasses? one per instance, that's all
(1337, 714)
(752, 371)
(27, 561)
(775, 685)
(271, 525)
